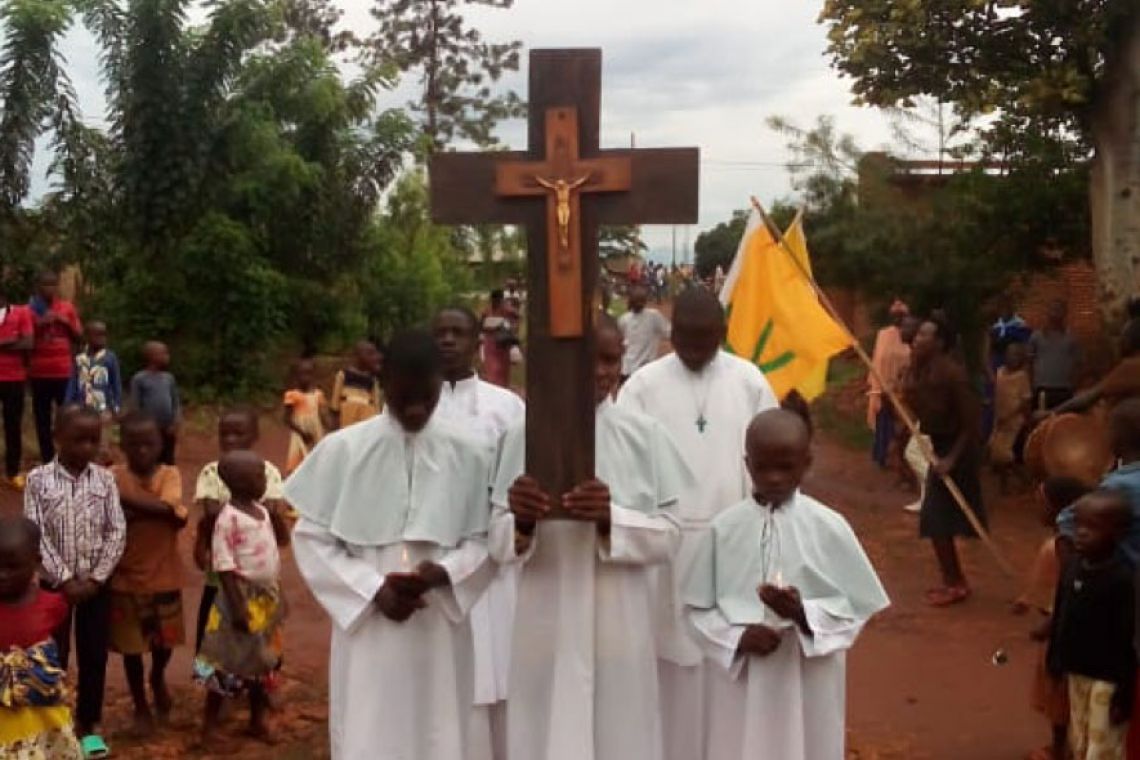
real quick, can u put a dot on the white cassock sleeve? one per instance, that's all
(717, 638)
(470, 571)
(344, 585)
(830, 634)
(502, 539)
(637, 538)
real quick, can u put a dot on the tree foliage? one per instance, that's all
(1056, 79)
(456, 68)
(952, 241)
(717, 246)
(230, 208)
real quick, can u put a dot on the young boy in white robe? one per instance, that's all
(778, 591)
(486, 411)
(391, 542)
(705, 398)
(583, 681)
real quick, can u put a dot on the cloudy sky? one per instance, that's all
(676, 73)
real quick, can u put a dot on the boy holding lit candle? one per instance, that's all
(778, 591)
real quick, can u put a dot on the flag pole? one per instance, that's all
(900, 406)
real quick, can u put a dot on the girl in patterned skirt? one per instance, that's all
(35, 721)
(242, 645)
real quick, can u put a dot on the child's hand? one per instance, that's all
(785, 602)
(433, 574)
(589, 502)
(73, 591)
(396, 606)
(527, 501)
(759, 640)
(410, 585)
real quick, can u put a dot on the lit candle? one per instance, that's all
(779, 579)
(404, 558)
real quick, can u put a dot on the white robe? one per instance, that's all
(373, 500)
(488, 411)
(791, 704)
(728, 393)
(583, 682)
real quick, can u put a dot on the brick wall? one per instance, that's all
(1075, 284)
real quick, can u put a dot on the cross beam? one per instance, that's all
(561, 190)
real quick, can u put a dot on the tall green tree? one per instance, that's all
(1060, 71)
(456, 69)
(716, 247)
(229, 208)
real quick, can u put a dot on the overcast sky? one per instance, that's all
(675, 72)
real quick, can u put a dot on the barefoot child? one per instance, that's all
(242, 644)
(356, 390)
(35, 721)
(1050, 695)
(1093, 622)
(155, 391)
(83, 532)
(238, 429)
(779, 590)
(305, 414)
(146, 589)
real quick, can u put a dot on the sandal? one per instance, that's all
(947, 596)
(93, 747)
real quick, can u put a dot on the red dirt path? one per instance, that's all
(921, 682)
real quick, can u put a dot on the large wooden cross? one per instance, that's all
(561, 189)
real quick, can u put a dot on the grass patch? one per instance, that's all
(838, 413)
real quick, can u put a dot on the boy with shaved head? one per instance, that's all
(777, 592)
(703, 397)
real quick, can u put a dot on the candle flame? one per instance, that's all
(404, 558)
(779, 578)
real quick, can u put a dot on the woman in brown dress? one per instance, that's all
(938, 389)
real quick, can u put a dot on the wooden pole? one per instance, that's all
(901, 408)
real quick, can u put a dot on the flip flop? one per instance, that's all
(94, 747)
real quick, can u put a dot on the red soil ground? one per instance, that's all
(922, 684)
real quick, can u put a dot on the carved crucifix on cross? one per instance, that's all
(561, 190)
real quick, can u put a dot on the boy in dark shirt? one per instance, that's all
(1093, 627)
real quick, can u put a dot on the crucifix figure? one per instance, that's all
(561, 190)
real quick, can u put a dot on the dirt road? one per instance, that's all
(922, 684)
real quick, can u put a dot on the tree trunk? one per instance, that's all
(1115, 180)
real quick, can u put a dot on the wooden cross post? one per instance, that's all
(561, 190)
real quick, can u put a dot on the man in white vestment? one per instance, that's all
(392, 543)
(705, 398)
(583, 682)
(777, 592)
(486, 411)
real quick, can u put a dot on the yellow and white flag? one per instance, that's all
(775, 319)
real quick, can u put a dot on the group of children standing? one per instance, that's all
(1085, 585)
(97, 551)
(104, 543)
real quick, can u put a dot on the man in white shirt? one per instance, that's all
(392, 543)
(705, 398)
(486, 411)
(643, 330)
